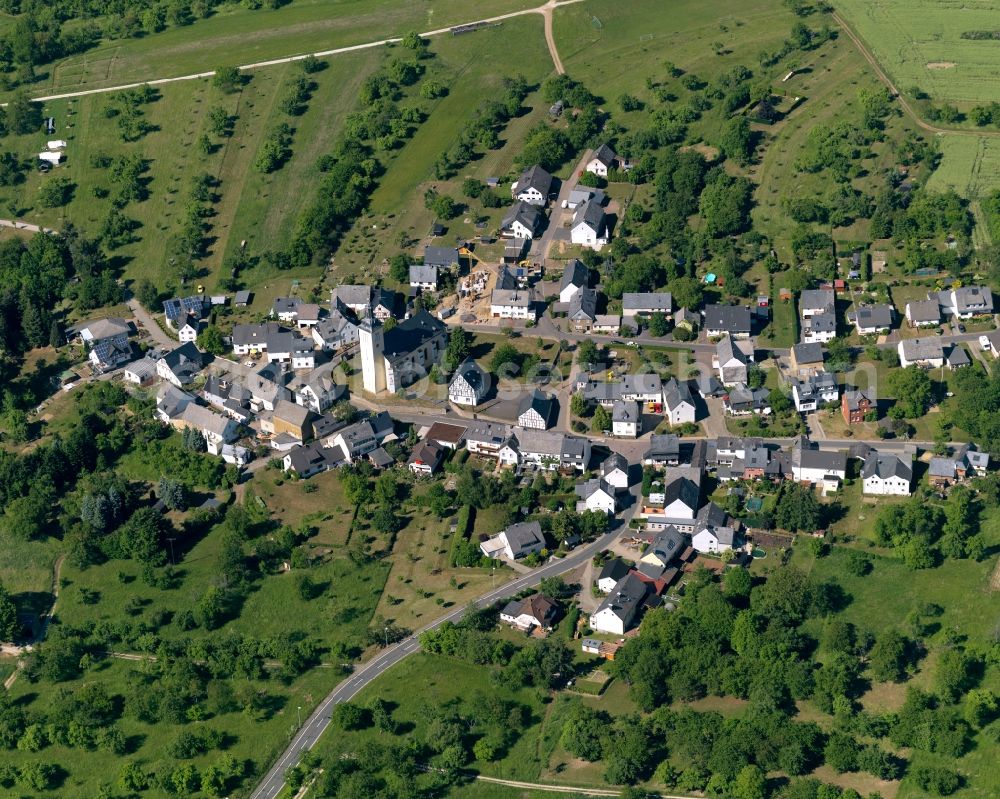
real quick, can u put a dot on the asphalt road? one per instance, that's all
(319, 720)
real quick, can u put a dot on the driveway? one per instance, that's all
(555, 231)
(151, 326)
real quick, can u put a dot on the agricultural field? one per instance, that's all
(250, 36)
(919, 44)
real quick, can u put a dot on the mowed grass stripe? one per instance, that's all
(238, 36)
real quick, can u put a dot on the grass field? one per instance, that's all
(235, 35)
(612, 46)
(918, 42)
(969, 165)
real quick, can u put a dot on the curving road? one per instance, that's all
(319, 719)
(545, 10)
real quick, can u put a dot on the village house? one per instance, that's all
(596, 495)
(308, 460)
(316, 390)
(535, 410)
(579, 195)
(814, 391)
(426, 458)
(813, 302)
(664, 450)
(620, 609)
(141, 373)
(512, 304)
(180, 365)
(177, 309)
(106, 340)
(819, 329)
(872, 319)
(582, 310)
(469, 385)
(449, 436)
(575, 277)
(545, 450)
(522, 221)
(517, 541)
(930, 353)
(383, 303)
(639, 306)
(354, 298)
(486, 438)
(614, 471)
(445, 258)
(731, 320)
(361, 438)
(611, 573)
(741, 400)
(966, 302)
(334, 332)
(678, 404)
(817, 467)
(806, 358)
(590, 226)
(886, 474)
(607, 324)
(713, 539)
(285, 309)
(603, 161)
(661, 552)
(732, 360)
(856, 404)
(274, 342)
(290, 419)
(423, 277)
(923, 313)
(945, 471)
(188, 330)
(534, 186)
(535, 611)
(626, 419)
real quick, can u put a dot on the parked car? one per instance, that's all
(984, 343)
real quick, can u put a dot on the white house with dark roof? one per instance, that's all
(180, 365)
(626, 419)
(887, 474)
(732, 320)
(590, 226)
(603, 160)
(664, 450)
(713, 539)
(817, 301)
(512, 304)
(355, 298)
(285, 309)
(517, 541)
(678, 404)
(522, 221)
(614, 471)
(575, 277)
(620, 609)
(819, 328)
(534, 186)
(813, 465)
(645, 304)
(872, 319)
(732, 360)
(965, 302)
(525, 614)
(334, 332)
(469, 384)
(923, 313)
(424, 277)
(440, 257)
(176, 309)
(814, 391)
(596, 495)
(535, 410)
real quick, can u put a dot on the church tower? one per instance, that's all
(372, 354)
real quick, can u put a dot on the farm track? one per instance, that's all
(903, 102)
(545, 10)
